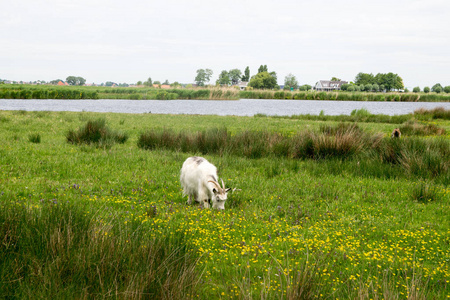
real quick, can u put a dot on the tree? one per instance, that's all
(290, 82)
(175, 84)
(345, 86)
(263, 80)
(224, 78)
(139, 83)
(75, 80)
(447, 89)
(375, 87)
(335, 79)
(55, 81)
(368, 87)
(262, 69)
(437, 87)
(364, 78)
(235, 76)
(166, 82)
(148, 82)
(246, 76)
(389, 81)
(426, 89)
(305, 87)
(416, 89)
(203, 76)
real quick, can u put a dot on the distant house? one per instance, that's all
(242, 85)
(161, 86)
(62, 83)
(327, 85)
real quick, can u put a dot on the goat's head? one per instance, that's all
(219, 195)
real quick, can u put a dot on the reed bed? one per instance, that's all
(423, 158)
(209, 93)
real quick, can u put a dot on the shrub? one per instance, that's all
(96, 133)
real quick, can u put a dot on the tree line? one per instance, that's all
(268, 80)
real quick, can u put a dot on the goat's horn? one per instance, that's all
(215, 183)
(223, 184)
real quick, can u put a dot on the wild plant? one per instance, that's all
(34, 138)
(95, 132)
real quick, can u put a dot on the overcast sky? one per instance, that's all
(128, 41)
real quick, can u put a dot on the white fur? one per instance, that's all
(195, 178)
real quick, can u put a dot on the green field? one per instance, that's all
(107, 219)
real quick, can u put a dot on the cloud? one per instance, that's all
(129, 41)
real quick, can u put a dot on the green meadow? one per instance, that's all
(326, 207)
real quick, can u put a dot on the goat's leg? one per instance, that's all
(189, 201)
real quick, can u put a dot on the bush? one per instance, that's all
(96, 133)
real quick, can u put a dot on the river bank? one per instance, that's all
(214, 93)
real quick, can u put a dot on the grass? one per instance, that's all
(299, 228)
(416, 157)
(56, 251)
(95, 132)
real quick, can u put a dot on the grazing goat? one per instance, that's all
(396, 133)
(199, 181)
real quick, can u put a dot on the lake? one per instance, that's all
(243, 107)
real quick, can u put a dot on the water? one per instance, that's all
(244, 107)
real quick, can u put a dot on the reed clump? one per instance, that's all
(412, 127)
(435, 113)
(34, 138)
(95, 132)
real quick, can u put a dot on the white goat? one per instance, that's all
(199, 181)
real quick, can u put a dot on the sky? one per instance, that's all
(130, 41)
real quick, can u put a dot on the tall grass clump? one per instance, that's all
(57, 252)
(34, 138)
(413, 127)
(342, 141)
(95, 132)
(424, 192)
(418, 157)
(435, 113)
